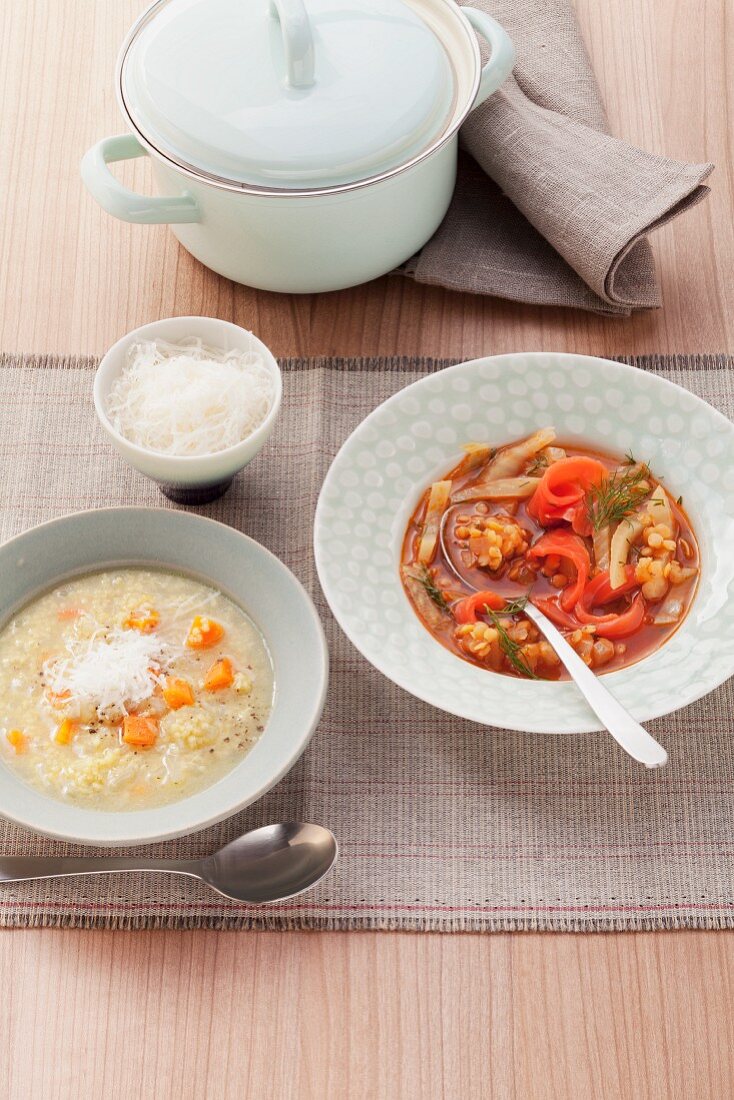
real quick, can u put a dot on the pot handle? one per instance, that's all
(120, 201)
(501, 63)
(297, 41)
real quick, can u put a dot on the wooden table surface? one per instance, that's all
(379, 1015)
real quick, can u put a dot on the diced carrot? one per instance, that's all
(178, 693)
(219, 676)
(65, 731)
(204, 633)
(143, 619)
(64, 614)
(18, 740)
(137, 730)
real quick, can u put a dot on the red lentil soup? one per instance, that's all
(596, 541)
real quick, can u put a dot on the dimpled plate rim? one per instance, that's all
(379, 473)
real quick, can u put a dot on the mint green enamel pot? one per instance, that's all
(306, 147)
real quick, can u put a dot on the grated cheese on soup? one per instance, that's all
(112, 671)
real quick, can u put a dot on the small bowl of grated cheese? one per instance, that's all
(188, 401)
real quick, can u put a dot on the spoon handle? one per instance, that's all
(20, 868)
(633, 737)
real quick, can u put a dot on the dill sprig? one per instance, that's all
(516, 606)
(539, 463)
(629, 459)
(436, 594)
(616, 496)
(511, 649)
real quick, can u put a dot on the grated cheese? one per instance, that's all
(113, 671)
(189, 399)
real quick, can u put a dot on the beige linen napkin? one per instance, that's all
(552, 210)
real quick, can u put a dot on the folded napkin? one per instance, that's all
(552, 210)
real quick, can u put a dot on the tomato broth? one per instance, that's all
(567, 497)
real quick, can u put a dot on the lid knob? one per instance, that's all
(297, 41)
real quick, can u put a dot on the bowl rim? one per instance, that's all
(530, 726)
(252, 442)
(151, 836)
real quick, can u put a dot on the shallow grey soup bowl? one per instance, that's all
(218, 555)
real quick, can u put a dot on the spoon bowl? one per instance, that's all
(272, 863)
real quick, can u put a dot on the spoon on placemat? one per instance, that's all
(268, 864)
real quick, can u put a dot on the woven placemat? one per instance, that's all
(443, 825)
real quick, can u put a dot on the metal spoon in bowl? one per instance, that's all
(634, 738)
(268, 864)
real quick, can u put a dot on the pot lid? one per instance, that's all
(302, 94)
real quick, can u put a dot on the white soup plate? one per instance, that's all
(417, 435)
